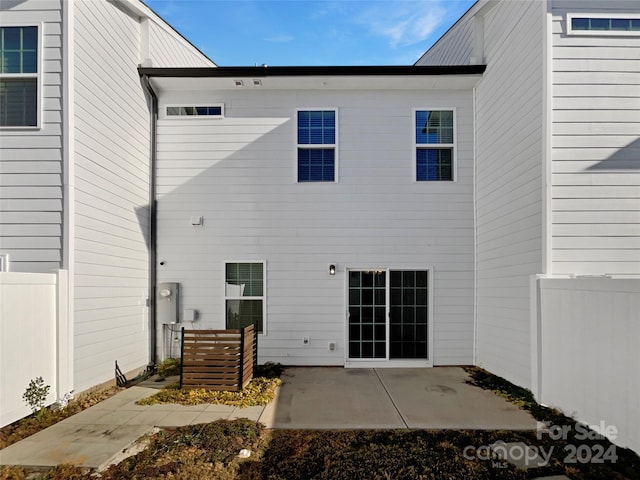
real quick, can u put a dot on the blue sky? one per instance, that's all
(309, 32)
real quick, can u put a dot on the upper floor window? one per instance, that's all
(434, 145)
(316, 145)
(603, 24)
(19, 76)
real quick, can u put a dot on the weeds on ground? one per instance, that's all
(597, 456)
(27, 426)
(168, 368)
(259, 391)
(269, 370)
(35, 396)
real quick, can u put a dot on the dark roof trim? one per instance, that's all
(224, 72)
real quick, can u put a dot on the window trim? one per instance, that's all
(298, 146)
(432, 277)
(609, 33)
(165, 115)
(264, 292)
(453, 146)
(38, 76)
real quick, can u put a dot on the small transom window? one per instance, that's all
(599, 24)
(202, 111)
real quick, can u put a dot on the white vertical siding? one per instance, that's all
(31, 160)
(596, 147)
(111, 195)
(239, 173)
(508, 186)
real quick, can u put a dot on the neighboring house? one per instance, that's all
(444, 213)
(75, 189)
(557, 198)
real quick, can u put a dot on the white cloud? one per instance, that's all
(403, 23)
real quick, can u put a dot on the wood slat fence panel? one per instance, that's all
(218, 359)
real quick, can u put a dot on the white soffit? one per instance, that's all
(364, 82)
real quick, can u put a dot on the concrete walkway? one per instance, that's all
(310, 398)
(98, 436)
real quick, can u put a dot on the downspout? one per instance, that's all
(475, 231)
(152, 101)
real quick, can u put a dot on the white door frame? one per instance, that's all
(388, 362)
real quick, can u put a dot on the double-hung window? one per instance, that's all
(19, 76)
(245, 295)
(434, 145)
(316, 146)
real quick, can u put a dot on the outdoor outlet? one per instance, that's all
(305, 340)
(332, 346)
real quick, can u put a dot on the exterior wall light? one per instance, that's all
(332, 269)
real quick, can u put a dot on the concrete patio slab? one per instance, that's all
(311, 397)
(334, 398)
(441, 398)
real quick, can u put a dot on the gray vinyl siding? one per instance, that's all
(239, 173)
(168, 49)
(509, 169)
(31, 160)
(596, 147)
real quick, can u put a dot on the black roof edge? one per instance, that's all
(223, 72)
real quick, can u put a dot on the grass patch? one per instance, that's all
(259, 391)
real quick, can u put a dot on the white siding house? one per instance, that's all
(557, 197)
(239, 173)
(76, 182)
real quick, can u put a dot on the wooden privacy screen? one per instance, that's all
(218, 359)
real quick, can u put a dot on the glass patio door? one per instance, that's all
(388, 314)
(367, 314)
(408, 314)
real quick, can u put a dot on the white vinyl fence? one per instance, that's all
(33, 338)
(586, 348)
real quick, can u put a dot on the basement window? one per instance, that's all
(215, 111)
(603, 24)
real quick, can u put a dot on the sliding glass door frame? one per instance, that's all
(387, 361)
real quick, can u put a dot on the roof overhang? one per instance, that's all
(454, 77)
